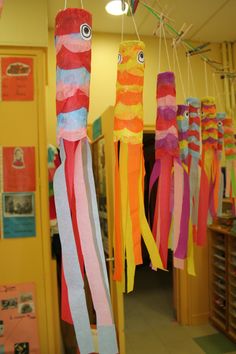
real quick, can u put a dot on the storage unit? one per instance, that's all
(222, 265)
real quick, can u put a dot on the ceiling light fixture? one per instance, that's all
(115, 7)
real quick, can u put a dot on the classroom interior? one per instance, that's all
(168, 311)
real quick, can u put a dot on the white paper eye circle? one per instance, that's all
(86, 31)
(220, 124)
(140, 57)
(186, 115)
(119, 58)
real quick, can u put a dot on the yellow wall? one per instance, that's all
(24, 23)
(103, 78)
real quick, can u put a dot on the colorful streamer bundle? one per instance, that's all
(194, 157)
(166, 153)
(209, 169)
(130, 220)
(230, 157)
(75, 196)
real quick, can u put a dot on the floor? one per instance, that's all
(151, 327)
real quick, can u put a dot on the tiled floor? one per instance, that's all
(150, 324)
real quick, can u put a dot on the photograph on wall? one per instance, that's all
(17, 79)
(18, 215)
(18, 169)
(18, 321)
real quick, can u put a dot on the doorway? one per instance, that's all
(151, 303)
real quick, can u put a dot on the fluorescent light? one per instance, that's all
(114, 7)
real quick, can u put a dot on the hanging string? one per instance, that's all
(65, 5)
(188, 76)
(166, 46)
(159, 54)
(206, 77)
(82, 5)
(174, 60)
(122, 28)
(218, 95)
(179, 70)
(136, 29)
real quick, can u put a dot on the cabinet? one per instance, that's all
(222, 266)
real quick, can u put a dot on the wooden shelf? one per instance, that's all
(222, 261)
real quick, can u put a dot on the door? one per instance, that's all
(28, 259)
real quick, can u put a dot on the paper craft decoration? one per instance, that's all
(166, 154)
(230, 157)
(181, 243)
(194, 143)
(218, 196)
(130, 220)
(209, 167)
(75, 197)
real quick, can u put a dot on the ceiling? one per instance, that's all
(212, 20)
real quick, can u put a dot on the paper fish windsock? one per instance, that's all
(180, 251)
(218, 195)
(130, 220)
(209, 167)
(75, 197)
(166, 154)
(194, 142)
(230, 157)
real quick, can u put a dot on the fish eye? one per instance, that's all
(186, 115)
(140, 57)
(86, 31)
(219, 124)
(119, 58)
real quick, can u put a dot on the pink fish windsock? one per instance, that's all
(194, 143)
(166, 153)
(75, 195)
(209, 167)
(181, 248)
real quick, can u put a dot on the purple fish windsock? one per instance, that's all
(75, 195)
(194, 157)
(166, 151)
(209, 167)
(183, 194)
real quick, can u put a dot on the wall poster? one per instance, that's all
(18, 211)
(18, 322)
(17, 79)
(18, 169)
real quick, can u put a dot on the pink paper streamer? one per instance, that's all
(102, 308)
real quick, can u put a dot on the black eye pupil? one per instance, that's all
(86, 31)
